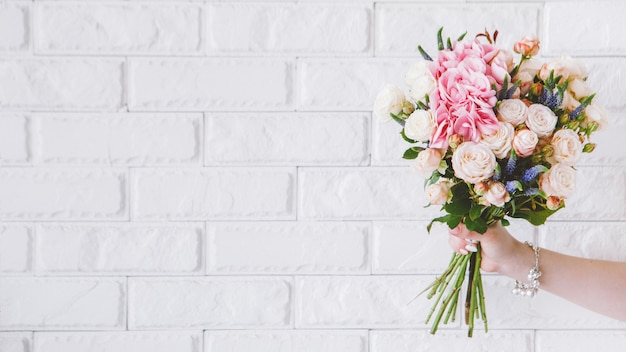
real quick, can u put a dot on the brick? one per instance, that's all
(364, 193)
(118, 28)
(61, 83)
(209, 303)
(400, 28)
(210, 84)
(62, 194)
(597, 240)
(565, 36)
(545, 311)
(16, 248)
(609, 151)
(291, 247)
(286, 341)
(135, 341)
(604, 77)
(62, 303)
(407, 247)
(211, 193)
(120, 248)
(14, 139)
(287, 138)
(294, 28)
(14, 27)
(451, 340)
(346, 84)
(117, 139)
(16, 341)
(580, 340)
(388, 146)
(361, 301)
(590, 201)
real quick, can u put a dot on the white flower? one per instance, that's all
(390, 100)
(579, 88)
(564, 66)
(567, 147)
(525, 142)
(420, 81)
(526, 73)
(559, 181)
(473, 162)
(500, 141)
(497, 194)
(513, 111)
(569, 102)
(438, 193)
(598, 114)
(427, 161)
(541, 120)
(420, 125)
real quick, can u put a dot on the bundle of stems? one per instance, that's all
(447, 288)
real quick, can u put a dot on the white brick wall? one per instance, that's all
(206, 176)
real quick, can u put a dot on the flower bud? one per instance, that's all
(408, 107)
(553, 203)
(455, 140)
(536, 89)
(563, 119)
(480, 188)
(547, 151)
(592, 127)
(573, 125)
(589, 147)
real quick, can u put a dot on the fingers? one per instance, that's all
(460, 245)
(462, 232)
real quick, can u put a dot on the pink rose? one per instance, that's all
(525, 142)
(566, 147)
(529, 46)
(463, 99)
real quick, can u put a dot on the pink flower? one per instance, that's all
(463, 99)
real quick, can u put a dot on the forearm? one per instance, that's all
(594, 284)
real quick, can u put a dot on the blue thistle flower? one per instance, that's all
(510, 165)
(579, 110)
(533, 172)
(532, 191)
(512, 186)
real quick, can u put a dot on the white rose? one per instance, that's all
(579, 88)
(473, 162)
(417, 71)
(427, 161)
(567, 147)
(422, 87)
(541, 120)
(497, 194)
(559, 181)
(390, 100)
(501, 141)
(569, 102)
(564, 66)
(420, 125)
(513, 111)
(438, 193)
(597, 114)
(525, 142)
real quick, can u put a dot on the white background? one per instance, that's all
(206, 176)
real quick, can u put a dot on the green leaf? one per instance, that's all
(397, 119)
(424, 54)
(454, 221)
(458, 207)
(478, 225)
(441, 219)
(475, 211)
(535, 217)
(440, 39)
(412, 152)
(407, 138)
(461, 36)
(505, 222)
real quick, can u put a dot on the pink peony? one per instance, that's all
(463, 99)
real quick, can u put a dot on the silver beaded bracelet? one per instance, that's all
(531, 289)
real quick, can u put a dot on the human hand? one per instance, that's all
(497, 245)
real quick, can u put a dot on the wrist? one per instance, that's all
(519, 262)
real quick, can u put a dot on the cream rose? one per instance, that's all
(525, 142)
(564, 66)
(390, 100)
(559, 181)
(427, 161)
(438, 193)
(420, 125)
(513, 111)
(529, 45)
(497, 194)
(567, 147)
(598, 114)
(501, 141)
(541, 120)
(473, 162)
(579, 88)
(569, 102)
(526, 73)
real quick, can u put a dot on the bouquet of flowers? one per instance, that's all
(493, 139)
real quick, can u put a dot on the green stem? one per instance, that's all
(460, 275)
